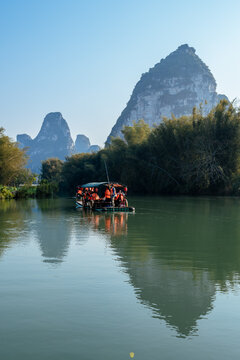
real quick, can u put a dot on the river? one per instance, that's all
(163, 283)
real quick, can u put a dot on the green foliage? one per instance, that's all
(24, 177)
(196, 154)
(47, 189)
(137, 133)
(51, 177)
(191, 155)
(82, 168)
(12, 159)
(6, 193)
(51, 170)
(25, 192)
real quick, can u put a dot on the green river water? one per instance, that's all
(163, 283)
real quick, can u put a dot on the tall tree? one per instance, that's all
(12, 159)
(51, 170)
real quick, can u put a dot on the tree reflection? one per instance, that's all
(177, 252)
(14, 216)
(180, 254)
(44, 219)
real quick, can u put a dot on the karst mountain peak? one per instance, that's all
(173, 86)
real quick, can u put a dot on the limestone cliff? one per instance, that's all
(173, 86)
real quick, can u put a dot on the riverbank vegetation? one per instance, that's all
(15, 180)
(194, 154)
(12, 161)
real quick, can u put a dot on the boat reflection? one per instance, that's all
(114, 224)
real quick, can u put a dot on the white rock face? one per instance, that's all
(172, 87)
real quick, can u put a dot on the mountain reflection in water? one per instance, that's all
(178, 253)
(178, 294)
(53, 232)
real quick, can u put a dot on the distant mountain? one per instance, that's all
(53, 140)
(94, 148)
(82, 144)
(173, 86)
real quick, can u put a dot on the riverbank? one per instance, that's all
(45, 190)
(23, 192)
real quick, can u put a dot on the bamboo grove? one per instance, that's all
(194, 154)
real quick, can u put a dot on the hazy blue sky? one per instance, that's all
(83, 58)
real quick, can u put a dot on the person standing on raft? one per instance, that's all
(107, 195)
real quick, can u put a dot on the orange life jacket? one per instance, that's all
(95, 196)
(107, 194)
(120, 197)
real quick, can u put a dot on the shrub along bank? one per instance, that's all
(44, 190)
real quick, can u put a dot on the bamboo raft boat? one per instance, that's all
(103, 205)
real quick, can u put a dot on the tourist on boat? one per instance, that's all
(95, 195)
(107, 195)
(79, 193)
(89, 195)
(86, 195)
(119, 198)
(113, 194)
(92, 197)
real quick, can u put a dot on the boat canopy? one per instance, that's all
(93, 184)
(97, 184)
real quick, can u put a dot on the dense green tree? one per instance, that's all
(196, 154)
(81, 168)
(137, 133)
(51, 170)
(24, 177)
(12, 159)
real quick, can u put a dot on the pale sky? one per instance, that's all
(83, 58)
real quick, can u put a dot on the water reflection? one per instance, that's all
(114, 224)
(174, 290)
(178, 296)
(43, 220)
(15, 220)
(180, 255)
(53, 231)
